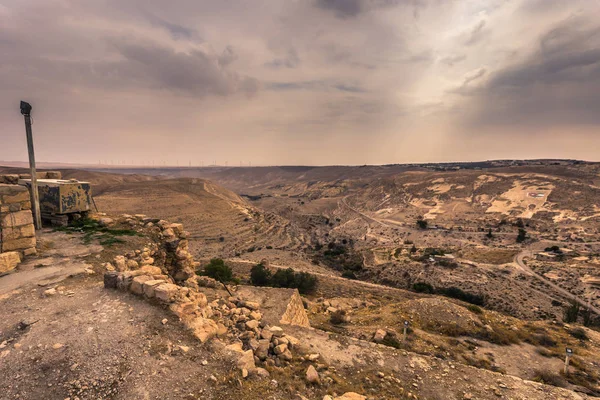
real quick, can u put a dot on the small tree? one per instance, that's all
(421, 223)
(522, 235)
(571, 312)
(305, 282)
(284, 278)
(413, 249)
(260, 275)
(490, 234)
(218, 270)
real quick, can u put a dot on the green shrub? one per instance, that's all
(260, 275)
(522, 235)
(474, 309)
(421, 223)
(284, 278)
(423, 287)
(217, 269)
(305, 282)
(287, 278)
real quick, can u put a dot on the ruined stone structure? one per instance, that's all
(17, 233)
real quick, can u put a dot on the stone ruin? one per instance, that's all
(17, 232)
(245, 322)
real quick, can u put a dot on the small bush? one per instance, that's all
(287, 278)
(305, 282)
(423, 287)
(474, 309)
(349, 274)
(571, 312)
(217, 269)
(579, 333)
(338, 317)
(549, 378)
(459, 294)
(284, 278)
(260, 275)
(421, 223)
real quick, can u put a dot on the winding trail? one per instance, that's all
(520, 263)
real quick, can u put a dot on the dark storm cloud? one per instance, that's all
(194, 72)
(558, 83)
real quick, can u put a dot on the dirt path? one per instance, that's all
(520, 263)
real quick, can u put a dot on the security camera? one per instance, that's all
(25, 108)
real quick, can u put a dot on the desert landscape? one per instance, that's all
(490, 264)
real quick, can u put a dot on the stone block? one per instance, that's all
(150, 285)
(9, 261)
(137, 285)
(54, 175)
(26, 205)
(13, 194)
(10, 179)
(30, 252)
(166, 292)
(19, 218)
(18, 244)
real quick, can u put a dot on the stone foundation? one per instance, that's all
(17, 232)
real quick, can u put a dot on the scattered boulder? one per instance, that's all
(312, 376)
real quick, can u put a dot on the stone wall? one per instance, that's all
(13, 179)
(17, 233)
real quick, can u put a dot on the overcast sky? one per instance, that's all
(300, 81)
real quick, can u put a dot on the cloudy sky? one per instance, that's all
(300, 81)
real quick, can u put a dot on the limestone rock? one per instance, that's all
(379, 335)
(9, 261)
(166, 292)
(312, 376)
(351, 396)
(204, 328)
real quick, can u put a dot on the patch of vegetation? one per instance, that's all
(579, 333)
(339, 256)
(349, 275)
(571, 312)
(457, 293)
(549, 378)
(474, 309)
(522, 235)
(423, 287)
(421, 223)
(284, 278)
(260, 275)
(218, 270)
(92, 230)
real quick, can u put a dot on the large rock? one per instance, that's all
(150, 285)
(9, 261)
(203, 328)
(111, 280)
(166, 292)
(351, 396)
(137, 285)
(379, 336)
(312, 376)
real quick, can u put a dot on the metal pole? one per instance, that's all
(26, 111)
